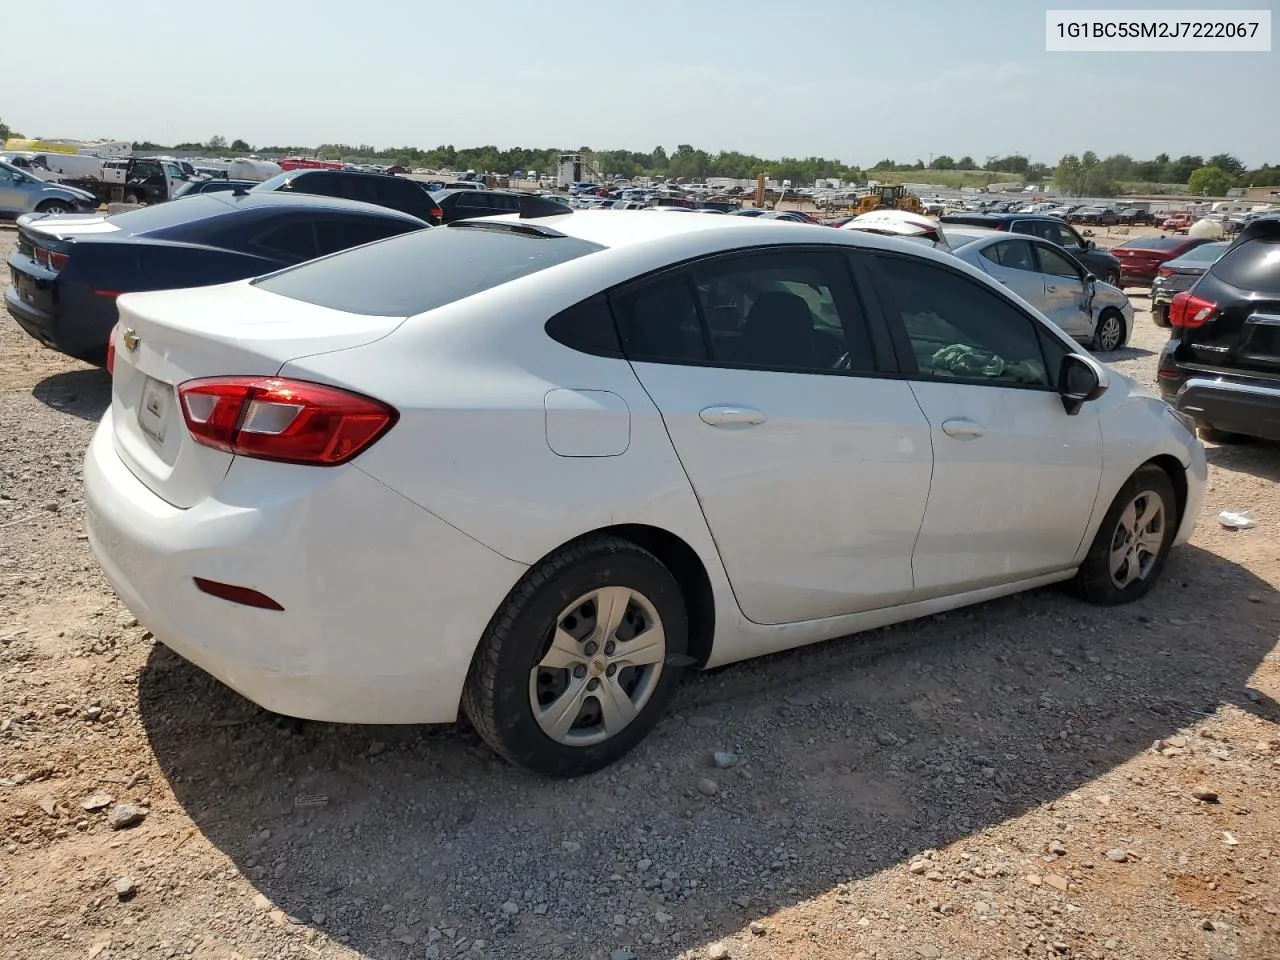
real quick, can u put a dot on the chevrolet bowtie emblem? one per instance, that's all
(131, 339)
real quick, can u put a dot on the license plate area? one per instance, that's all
(153, 409)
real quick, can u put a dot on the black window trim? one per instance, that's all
(878, 354)
(909, 369)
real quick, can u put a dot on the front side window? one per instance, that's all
(1055, 263)
(958, 330)
(1014, 254)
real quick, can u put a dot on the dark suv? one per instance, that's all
(1221, 365)
(1098, 262)
(466, 204)
(385, 190)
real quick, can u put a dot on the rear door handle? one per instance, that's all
(962, 428)
(732, 416)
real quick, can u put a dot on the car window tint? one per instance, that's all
(1055, 263)
(961, 331)
(783, 311)
(588, 327)
(334, 233)
(1253, 265)
(1014, 254)
(659, 321)
(402, 196)
(423, 269)
(292, 241)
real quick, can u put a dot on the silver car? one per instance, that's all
(1052, 281)
(23, 192)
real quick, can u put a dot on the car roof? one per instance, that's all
(282, 199)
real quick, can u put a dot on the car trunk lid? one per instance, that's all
(169, 337)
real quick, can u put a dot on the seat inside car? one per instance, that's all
(778, 332)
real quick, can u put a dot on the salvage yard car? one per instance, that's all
(534, 466)
(1141, 257)
(1053, 281)
(24, 192)
(1180, 273)
(67, 271)
(1221, 365)
(1099, 262)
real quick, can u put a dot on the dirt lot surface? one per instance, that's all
(978, 785)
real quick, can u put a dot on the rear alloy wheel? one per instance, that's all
(1131, 546)
(581, 659)
(1110, 332)
(55, 207)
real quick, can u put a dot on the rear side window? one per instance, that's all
(291, 241)
(406, 197)
(588, 327)
(1253, 265)
(423, 270)
(334, 234)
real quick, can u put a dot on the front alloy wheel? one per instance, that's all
(1133, 541)
(1110, 332)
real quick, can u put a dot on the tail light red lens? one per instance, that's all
(57, 260)
(291, 421)
(1188, 310)
(111, 350)
(1164, 272)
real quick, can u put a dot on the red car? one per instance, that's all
(1141, 257)
(1178, 223)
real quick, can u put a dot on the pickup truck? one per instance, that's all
(142, 180)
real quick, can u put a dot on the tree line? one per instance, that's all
(1084, 174)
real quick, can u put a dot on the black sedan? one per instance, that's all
(68, 270)
(468, 204)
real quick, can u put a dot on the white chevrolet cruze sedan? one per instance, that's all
(532, 467)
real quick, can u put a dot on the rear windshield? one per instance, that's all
(1252, 266)
(159, 216)
(1205, 253)
(423, 270)
(1154, 243)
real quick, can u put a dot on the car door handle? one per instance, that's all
(962, 428)
(1050, 288)
(732, 416)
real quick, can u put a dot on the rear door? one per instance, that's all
(1014, 477)
(1067, 298)
(811, 468)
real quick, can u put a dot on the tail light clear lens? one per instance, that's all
(291, 421)
(1188, 310)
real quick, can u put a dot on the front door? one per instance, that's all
(13, 198)
(1067, 297)
(1014, 477)
(812, 473)
(1014, 265)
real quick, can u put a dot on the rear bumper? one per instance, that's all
(1249, 408)
(77, 325)
(36, 322)
(384, 603)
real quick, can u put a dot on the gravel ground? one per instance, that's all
(982, 784)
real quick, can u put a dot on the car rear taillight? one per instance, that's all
(292, 421)
(57, 260)
(1188, 310)
(1164, 272)
(111, 350)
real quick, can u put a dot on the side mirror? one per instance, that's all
(1080, 379)
(1090, 278)
(1089, 245)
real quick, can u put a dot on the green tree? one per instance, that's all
(965, 163)
(1181, 170)
(217, 144)
(6, 132)
(240, 146)
(1069, 175)
(1226, 163)
(1208, 182)
(942, 162)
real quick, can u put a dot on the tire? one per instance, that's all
(1104, 582)
(1214, 435)
(131, 198)
(1160, 316)
(1113, 278)
(521, 683)
(53, 206)
(1109, 334)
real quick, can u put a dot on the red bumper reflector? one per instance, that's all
(234, 594)
(110, 294)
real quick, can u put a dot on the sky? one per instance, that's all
(843, 79)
